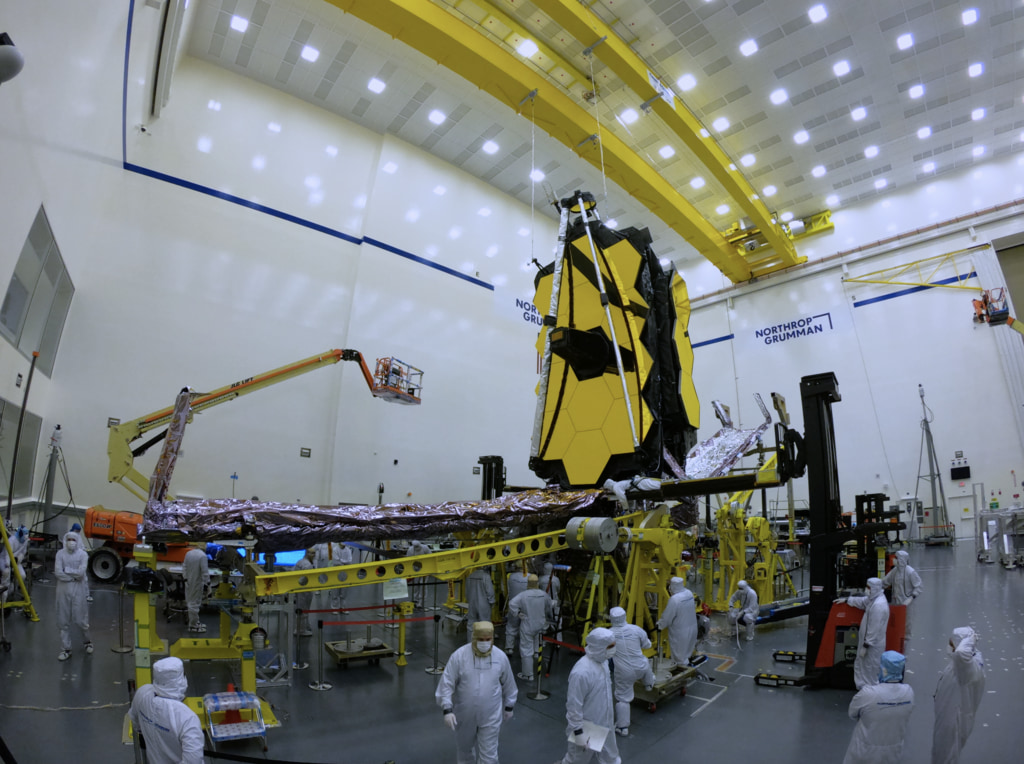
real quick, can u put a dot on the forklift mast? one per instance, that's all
(818, 392)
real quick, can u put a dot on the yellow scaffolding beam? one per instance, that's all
(924, 272)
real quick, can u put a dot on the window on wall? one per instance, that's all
(27, 447)
(38, 298)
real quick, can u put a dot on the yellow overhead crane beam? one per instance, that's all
(458, 46)
(587, 28)
(924, 272)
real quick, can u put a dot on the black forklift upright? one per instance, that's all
(818, 392)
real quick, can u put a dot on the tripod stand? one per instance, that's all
(937, 529)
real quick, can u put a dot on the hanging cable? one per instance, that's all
(597, 119)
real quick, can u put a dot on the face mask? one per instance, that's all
(71, 545)
(484, 647)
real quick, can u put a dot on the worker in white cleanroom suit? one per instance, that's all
(881, 711)
(551, 585)
(196, 569)
(70, 567)
(680, 618)
(631, 665)
(517, 584)
(744, 607)
(477, 692)
(304, 600)
(533, 609)
(417, 584)
(331, 554)
(479, 593)
(871, 635)
(957, 696)
(171, 729)
(589, 699)
(905, 584)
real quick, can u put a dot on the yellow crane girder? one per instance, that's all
(457, 45)
(588, 28)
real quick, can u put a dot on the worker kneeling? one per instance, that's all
(477, 692)
(882, 712)
(744, 608)
(630, 665)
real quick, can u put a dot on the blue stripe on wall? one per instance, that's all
(913, 290)
(261, 208)
(723, 338)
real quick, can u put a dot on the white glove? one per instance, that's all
(506, 715)
(840, 601)
(451, 721)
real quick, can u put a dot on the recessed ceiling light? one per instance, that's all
(274, 127)
(439, 190)
(978, 151)
(613, 223)
(928, 167)
(748, 47)
(817, 13)
(332, 151)
(779, 96)
(437, 116)
(904, 41)
(411, 217)
(722, 209)
(491, 252)
(663, 262)
(969, 16)
(747, 160)
(785, 217)
(818, 171)
(527, 48)
(390, 168)
(769, 190)
(704, 133)
(312, 182)
(204, 144)
(629, 116)
(841, 68)
(697, 182)
(975, 70)
(490, 147)
(881, 183)
(537, 175)
(732, 167)
(377, 86)
(978, 114)
(859, 113)
(667, 152)
(721, 124)
(523, 232)
(259, 162)
(213, 105)
(916, 91)
(801, 137)
(687, 82)
(832, 200)
(924, 132)
(310, 53)
(871, 152)
(484, 212)
(239, 24)
(454, 232)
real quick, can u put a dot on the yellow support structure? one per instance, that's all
(25, 601)
(621, 58)
(434, 32)
(923, 272)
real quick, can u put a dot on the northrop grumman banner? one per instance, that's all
(791, 335)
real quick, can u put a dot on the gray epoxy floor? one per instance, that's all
(73, 711)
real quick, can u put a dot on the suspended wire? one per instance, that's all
(597, 119)
(533, 168)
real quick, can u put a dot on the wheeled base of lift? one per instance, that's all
(666, 685)
(359, 650)
(768, 679)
